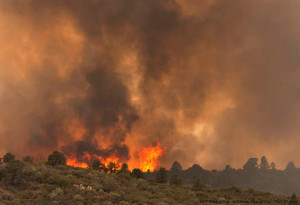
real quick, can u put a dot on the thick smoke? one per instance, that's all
(216, 82)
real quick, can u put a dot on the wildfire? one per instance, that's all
(86, 159)
(149, 157)
(74, 163)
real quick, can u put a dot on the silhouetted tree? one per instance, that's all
(1, 161)
(293, 199)
(124, 168)
(228, 168)
(161, 175)
(137, 173)
(273, 166)
(290, 166)
(251, 164)
(112, 167)
(103, 168)
(176, 167)
(27, 159)
(198, 185)
(264, 165)
(96, 164)
(57, 158)
(175, 180)
(8, 157)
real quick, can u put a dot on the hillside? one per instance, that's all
(41, 183)
(262, 178)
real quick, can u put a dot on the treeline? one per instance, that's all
(259, 175)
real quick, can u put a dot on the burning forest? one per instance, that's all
(150, 82)
(142, 86)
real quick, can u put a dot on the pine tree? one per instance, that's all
(161, 176)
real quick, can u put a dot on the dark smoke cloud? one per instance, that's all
(111, 76)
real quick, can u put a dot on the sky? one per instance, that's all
(215, 82)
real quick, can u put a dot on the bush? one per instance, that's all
(114, 197)
(56, 192)
(137, 173)
(198, 185)
(27, 159)
(8, 157)
(8, 196)
(78, 197)
(27, 194)
(57, 158)
(110, 184)
(175, 180)
(14, 171)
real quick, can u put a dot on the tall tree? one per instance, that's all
(113, 167)
(293, 199)
(273, 166)
(124, 168)
(161, 175)
(264, 165)
(251, 164)
(176, 167)
(290, 166)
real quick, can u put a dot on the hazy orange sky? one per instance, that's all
(215, 82)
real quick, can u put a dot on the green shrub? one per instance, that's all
(78, 197)
(56, 158)
(8, 196)
(198, 185)
(107, 203)
(14, 169)
(27, 159)
(8, 157)
(55, 193)
(27, 194)
(137, 173)
(114, 197)
(110, 184)
(175, 180)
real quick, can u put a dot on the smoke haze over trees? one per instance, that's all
(215, 82)
(256, 174)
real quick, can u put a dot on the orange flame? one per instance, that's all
(74, 162)
(149, 157)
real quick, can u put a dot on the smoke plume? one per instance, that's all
(215, 82)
